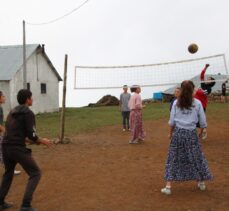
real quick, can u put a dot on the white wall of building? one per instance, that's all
(48, 102)
(38, 71)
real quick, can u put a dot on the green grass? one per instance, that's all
(218, 111)
(82, 120)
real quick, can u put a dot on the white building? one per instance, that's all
(42, 77)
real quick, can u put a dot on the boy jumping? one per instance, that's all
(203, 92)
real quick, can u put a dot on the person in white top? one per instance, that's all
(186, 160)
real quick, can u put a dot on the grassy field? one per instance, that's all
(82, 120)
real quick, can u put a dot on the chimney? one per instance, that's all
(43, 48)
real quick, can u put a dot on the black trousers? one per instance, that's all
(125, 119)
(11, 156)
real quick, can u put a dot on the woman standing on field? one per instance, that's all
(186, 160)
(136, 124)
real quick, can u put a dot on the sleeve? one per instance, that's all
(138, 102)
(120, 102)
(172, 115)
(30, 126)
(202, 74)
(202, 117)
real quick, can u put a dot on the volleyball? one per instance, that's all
(193, 48)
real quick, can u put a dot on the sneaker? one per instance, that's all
(166, 191)
(28, 209)
(5, 206)
(133, 141)
(201, 186)
(204, 134)
(141, 140)
(17, 172)
(123, 129)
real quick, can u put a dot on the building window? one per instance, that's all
(28, 86)
(43, 89)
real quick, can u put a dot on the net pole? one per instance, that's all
(225, 63)
(75, 78)
(62, 126)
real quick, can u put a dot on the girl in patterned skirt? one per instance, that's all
(136, 125)
(186, 160)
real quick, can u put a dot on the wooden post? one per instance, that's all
(24, 58)
(62, 127)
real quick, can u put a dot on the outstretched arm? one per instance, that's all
(202, 74)
(43, 141)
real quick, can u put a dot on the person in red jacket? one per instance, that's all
(203, 92)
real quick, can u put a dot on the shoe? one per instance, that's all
(204, 134)
(201, 186)
(123, 129)
(28, 209)
(133, 141)
(166, 191)
(141, 140)
(5, 206)
(17, 172)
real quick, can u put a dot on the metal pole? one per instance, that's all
(225, 64)
(62, 127)
(24, 58)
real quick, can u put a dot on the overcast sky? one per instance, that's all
(117, 32)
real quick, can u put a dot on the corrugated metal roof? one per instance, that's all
(11, 59)
(196, 81)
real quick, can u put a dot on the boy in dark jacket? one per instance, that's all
(20, 126)
(202, 93)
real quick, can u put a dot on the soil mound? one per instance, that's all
(107, 100)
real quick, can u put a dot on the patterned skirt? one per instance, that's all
(186, 160)
(136, 125)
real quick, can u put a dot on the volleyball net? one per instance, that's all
(161, 75)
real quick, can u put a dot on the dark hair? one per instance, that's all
(1, 93)
(133, 89)
(208, 85)
(186, 96)
(212, 83)
(23, 95)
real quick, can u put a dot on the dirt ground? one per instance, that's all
(101, 171)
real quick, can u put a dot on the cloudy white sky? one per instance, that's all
(117, 32)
